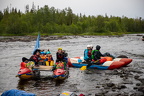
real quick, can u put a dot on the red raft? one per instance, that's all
(61, 72)
(25, 73)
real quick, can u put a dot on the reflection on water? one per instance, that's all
(43, 84)
(22, 84)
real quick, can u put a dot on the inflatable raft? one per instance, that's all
(61, 71)
(110, 63)
(25, 73)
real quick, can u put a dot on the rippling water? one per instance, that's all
(78, 81)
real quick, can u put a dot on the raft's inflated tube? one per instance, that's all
(108, 58)
(125, 60)
(113, 64)
(24, 71)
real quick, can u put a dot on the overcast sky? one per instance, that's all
(128, 8)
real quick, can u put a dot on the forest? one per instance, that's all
(50, 21)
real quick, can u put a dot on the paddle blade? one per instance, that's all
(83, 68)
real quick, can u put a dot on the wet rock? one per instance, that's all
(121, 87)
(138, 84)
(110, 84)
(107, 79)
(136, 76)
(97, 86)
(113, 94)
(127, 82)
(136, 94)
(141, 89)
(141, 79)
(135, 88)
(137, 71)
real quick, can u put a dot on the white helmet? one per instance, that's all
(88, 45)
(91, 46)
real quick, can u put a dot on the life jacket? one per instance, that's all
(35, 58)
(89, 53)
(30, 64)
(49, 58)
(23, 65)
(60, 65)
(43, 57)
(96, 55)
(60, 55)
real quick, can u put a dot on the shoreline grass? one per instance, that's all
(70, 34)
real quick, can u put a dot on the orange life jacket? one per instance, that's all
(43, 57)
(49, 58)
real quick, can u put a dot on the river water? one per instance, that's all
(124, 81)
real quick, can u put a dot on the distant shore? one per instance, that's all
(47, 38)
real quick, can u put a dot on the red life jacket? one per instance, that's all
(35, 58)
(23, 65)
(89, 53)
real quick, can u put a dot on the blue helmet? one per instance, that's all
(48, 52)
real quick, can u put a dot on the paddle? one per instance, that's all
(89, 64)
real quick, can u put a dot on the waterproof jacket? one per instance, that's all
(96, 54)
(35, 58)
(60, 56)
(87, 54)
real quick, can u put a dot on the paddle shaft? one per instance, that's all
(90, 63)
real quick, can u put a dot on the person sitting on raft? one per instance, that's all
(36, 57)
(60, 55)
(26, 63)
(23, 63)
(42, 52)
(96, 56)
(47, 52)
(42, 58)
(49, 59)
(87, 54)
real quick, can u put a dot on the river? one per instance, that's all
(126, 81)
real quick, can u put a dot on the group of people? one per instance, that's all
(94, 56)
(40, 57)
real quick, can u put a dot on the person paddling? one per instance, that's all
(96, 56)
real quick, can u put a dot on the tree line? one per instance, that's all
(51, 21)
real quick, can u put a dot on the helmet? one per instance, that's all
(88, 45)
(59, 48)
(48, 52)
(42, 52)
(98, 47)
(91, 46)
